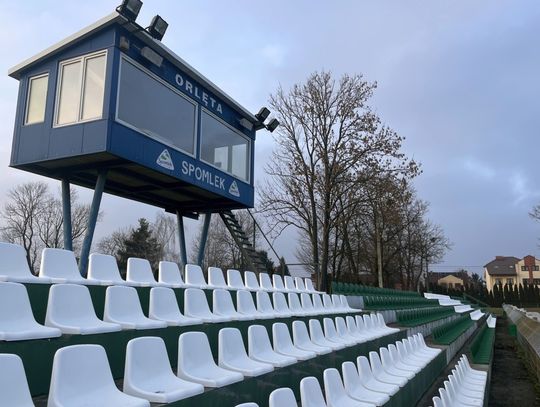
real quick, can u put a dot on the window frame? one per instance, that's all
(169, 86)
(27, 101)
(238, 132)
(82, 59)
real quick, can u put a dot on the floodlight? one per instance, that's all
(157, 27)
(263, 114)
(130, 9)
(272, 125)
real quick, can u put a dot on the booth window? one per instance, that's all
(154, 108)
(81, 89)
(224, 148)
(37, 99)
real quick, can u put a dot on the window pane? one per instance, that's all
(224, 148)
(94, 86)
(70, 92)
(155, 109)
(37, 99)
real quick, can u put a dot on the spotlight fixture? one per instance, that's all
(272, 125)
(157, 28)
(263, 114)
(130, 9)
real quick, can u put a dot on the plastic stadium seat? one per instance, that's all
(407, 358)
(460, 399)
(331, 333)
(278, 284)
(250, 404)
(216, 278)
(370, 382)
(14, 266)
(164, 307)
(232, 355)
(265, 282)
(140, 271)
(234, 280)
(14, 389)
(260, 349)
(476, 315)
(307, 304)
(328, 304)
(336, 396)
(371, 328)
(399, 362)
(17, 321)
(169, 274)
(223, 306)
(343, 331)
(319, 306)
(148, 373)
(338, 305)
(61, 266)
(103, 269)
(251, 281)
(70, 309)
(290, 285)
(283, 397)
(264, 304)
(491, 321)
(280, 305)
(460, 309)
(345, 304)
(381, 374)
(196, 306)
(372, 334)
(81, 376)
(382, 324)
(437, 402)
(310, 287)
(462, 388)
(295, 306)
(283, 343)
(122, 306)
(359, 332)
(196, 363)
(355, 388)
(390, 366)
(302, 340)
(194, 276)
(300, 286)
(310, 393)
(246, 306)
(318, 338)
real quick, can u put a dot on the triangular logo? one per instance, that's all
(165, 160)
(233, 189)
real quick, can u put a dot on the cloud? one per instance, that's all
(275, 54)
(479, 169)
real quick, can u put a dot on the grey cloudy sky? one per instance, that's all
(459, 79)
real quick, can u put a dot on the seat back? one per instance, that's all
(146, 359)
(263, 302)
(283, 397)
(234, 279)
(195, 303)
(351, 325)
(327, 301)
(364, 369)
(289, 283)
(375, 362)
(394, 354)
(310, 393)
(307, 305)
(294, 303)
(351, 379)
(122, 302)
(194, 352)
(103, 267)
(341, 327)
(222, 302)
(344, 302)
(278, 282)
(317, 302)
(265, 282)
(309, 284)
(230, 346)
(299, 283)
(59, 263)
(69, 303)
(258, 340)
(445, 397)
(336, 301)
(386, 358)
(437, 402)
(14, 389)
(169, 273)
(251, 280)
(140, 271)
(163, 303)
(315, 330)
(300, 333)
(368, 323)
(14, 304)
(14, 263)
(281, 338)
(194, 275)
(333, 387)
(329, 328)
(244, 302)
(360, 324)
(216, 278)
(280, 303)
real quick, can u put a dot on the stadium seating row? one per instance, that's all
(70, 309)
(359, 289)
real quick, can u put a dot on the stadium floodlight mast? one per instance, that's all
(157, 27)
(130, 9)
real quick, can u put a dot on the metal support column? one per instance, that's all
(181, 239)
(204, 236)
(66, 214)
(92, 220)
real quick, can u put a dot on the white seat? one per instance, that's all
(460, 309)
(164, 307)
(307, 304)
(462, 388)
(295, 306)
(169, 274)
(283, 343)
(328, 304)
(250, 404)
(265, 283)
(460, 399)
(371, 328)
(370, 382)
(491, 321)
(408, 358)
(223, 306)
(103, 269)
(331, 333)
(277, 283)
(319, 306)
(260, 349)
(310, 287)
(381, 374)
(264, 305)
(382, 324)
(355, 388)
(476, 315)
(336, 396)
(310, 393)
(194, 276)
(17, 321)
(338, 305)
(70, 309)
(232, 355)
(364, 330)
(399, 362)
(14, 389)
(437, 402)
(343, 331)
(318, 338)
(289, 284)
(283, 397)
(251, 281)
(148, 373)
(234, 280)
(360, 334)
(280, 305)
(302, 340)
(140, 271)
(196, 306)
(196, 363)
(216, 278)
(14, 266)
(81, 376)
(300, 286)
(122, 306)
(246, 306)
(391, 368)
(346, 306)
(61, 266)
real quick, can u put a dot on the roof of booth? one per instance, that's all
(115, 17)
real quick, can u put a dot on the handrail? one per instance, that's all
(281, 263)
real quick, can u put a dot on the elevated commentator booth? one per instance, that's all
(113, 109)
